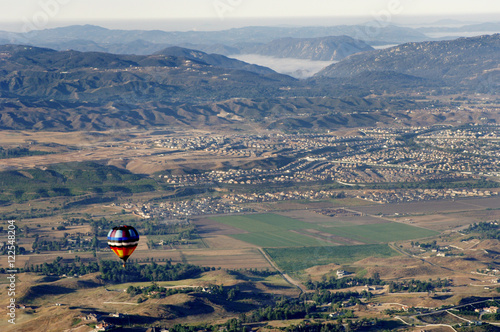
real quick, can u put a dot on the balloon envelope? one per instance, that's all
(123, 240)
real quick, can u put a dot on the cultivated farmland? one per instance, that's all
(296, 259)
(271, 230)
(386, 232)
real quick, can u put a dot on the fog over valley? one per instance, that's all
(298, 68)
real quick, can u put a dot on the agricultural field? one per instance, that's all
(308, 204)
(297, 259)
(432, 207)
(227, 259)
(272, 230)
(386, 232)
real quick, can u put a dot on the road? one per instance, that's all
(447, 311)
(394, 247)
(285, 276)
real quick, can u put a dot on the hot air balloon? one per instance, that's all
(123, 240)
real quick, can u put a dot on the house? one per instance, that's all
(492, 310)
(104, 326)
(335, 314)
(92, 317)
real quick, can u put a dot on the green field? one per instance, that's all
(272, 230)
(386, 232)
(296, 259)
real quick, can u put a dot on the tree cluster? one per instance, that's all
(323, 296)
(316, 327)
(156, 291)
(114, 272)
(282, 310)
(64, 244)
(346, 282)
(486, 230)
(413, 286)
(57, 267)
(19, 152)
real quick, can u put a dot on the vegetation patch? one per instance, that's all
(441, 318)
(70, 179)
(297, 259)
(484, 230)
(385, 232)
(20, 152)
(112, 271)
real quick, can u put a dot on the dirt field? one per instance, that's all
(303, 205)
(92, 154)
(121, 148)
(207, 227)
(229, 259)
(225, 242)
(450, 220)
(329, 237)
(439, 222)
(432, 207)
(316, 272)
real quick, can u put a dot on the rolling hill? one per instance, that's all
(45, 89)
(471, 63)
(214, 60)
(332, 48)
(101, 77)
(95, 38)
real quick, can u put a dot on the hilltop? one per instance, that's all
(96, 38)
(45, 89)
(332, 48)
(100, 77)
(466, 62)
(214, 60)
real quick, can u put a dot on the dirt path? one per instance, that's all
(402, 252)
(285, 276)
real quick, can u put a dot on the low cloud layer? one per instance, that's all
(298, 68)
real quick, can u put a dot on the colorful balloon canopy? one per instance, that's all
(123, 240)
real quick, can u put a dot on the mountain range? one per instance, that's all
(464, 62)
(44, 89)
(368, 33)
(233, 41)
(331, 48)
(98, 77)
(213, 59)
(489, 26)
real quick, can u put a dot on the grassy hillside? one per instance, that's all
(70, 179)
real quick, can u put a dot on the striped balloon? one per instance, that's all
(123, 240)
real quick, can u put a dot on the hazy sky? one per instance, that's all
(17, 15)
